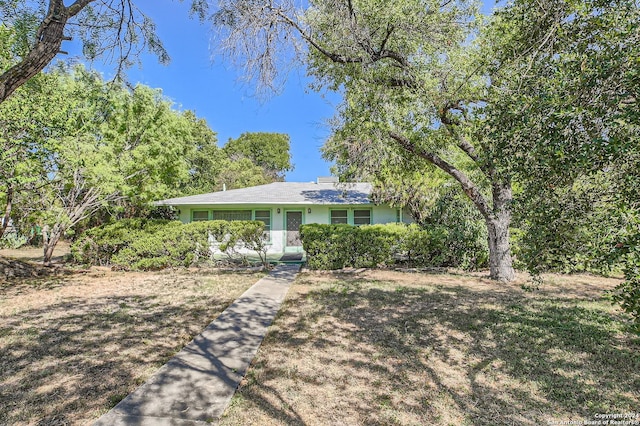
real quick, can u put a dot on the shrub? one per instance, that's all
(627, 294)
(155, 244)
(98, 245)
(13, 241)
(339, 246)
(187, 244)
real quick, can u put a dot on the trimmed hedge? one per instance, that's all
(371, 246)
(162, 244)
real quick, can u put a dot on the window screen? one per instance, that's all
(338, 216)
(231, 215)
(200, 215)
(264, 216)
(362, 217)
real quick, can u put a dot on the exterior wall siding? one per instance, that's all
(310, 214)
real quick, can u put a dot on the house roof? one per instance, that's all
(282, 193)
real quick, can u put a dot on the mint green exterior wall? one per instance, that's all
(310, 214)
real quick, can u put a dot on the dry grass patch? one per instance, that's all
(73, 346)
(381, 347)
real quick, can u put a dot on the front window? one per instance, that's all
(339, 216)
(231, 215)
(362, 217)
(200, 215)
(264, 216)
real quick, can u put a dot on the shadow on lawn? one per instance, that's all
(498, 356)
(83, 357)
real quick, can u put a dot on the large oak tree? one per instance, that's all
(408, 79)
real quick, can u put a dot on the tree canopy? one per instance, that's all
(74, 145)
(495, 103)
(270, 151)
(406, 71)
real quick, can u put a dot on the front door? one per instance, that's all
(294, 220)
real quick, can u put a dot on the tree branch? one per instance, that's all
(468, 186)
(49, 38)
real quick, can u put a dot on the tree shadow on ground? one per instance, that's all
(444, 354)
(69, 362)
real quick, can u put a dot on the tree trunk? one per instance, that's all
(500, 265)
(50, 239)
(7, 211)
(48, 41)
(497, 215)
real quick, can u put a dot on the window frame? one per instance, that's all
(362, 210)
(193, 219)
(346, 217)
(350, 215)
(267, 232)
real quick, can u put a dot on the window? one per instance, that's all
(339, 216)
(231, 215)
(199, 215)
(362, 217)
(264, 216)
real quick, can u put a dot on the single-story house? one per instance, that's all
(284, 206)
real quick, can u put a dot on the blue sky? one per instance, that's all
(197, 80)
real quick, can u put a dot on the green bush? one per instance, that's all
(13, 241)
(187, 244)
(627, 294)
(156, 244)
(98, 245)
(370, 246)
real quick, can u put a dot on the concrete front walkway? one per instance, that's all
(196, 385)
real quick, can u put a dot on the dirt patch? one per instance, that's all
(386, 347)
(73, 346)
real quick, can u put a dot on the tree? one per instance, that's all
(568, 129)
(116, 27)
(420, 82)
(267, 150)
(30, 120)
(567, 124)
(409, 80)
(204, 160)
(97, 146)
(240, 173)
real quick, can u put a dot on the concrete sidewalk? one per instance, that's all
(196, 385)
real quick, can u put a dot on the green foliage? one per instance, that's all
(116, 31)
(13, 240)
(187, 244)
(565, 124)
(569, 228)
(270, 151)
(239, 173)
(627, 294)
(371, 246)
(98, 245)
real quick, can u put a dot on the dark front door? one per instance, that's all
(294, 220)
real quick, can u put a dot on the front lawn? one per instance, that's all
(414, 349)
(72, 346)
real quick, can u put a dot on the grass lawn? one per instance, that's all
(385, 347)
(72, 346)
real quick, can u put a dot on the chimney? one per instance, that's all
(328, 179)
